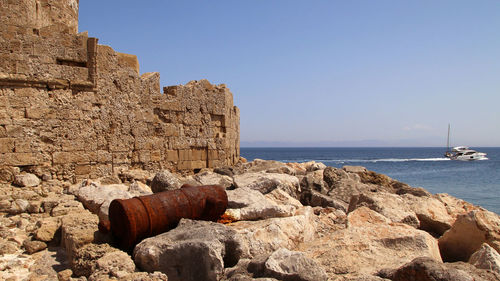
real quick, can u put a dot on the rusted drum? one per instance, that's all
(137, 218)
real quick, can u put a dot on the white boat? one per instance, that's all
(462, 153)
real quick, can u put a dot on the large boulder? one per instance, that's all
(266, 236)
(194, 250)
(369, 243)
(431, 212)
(286, 265)
(426, 269)
(468, 233)
(77, 230)
(454, 206)
(164, 181)
(486, 258)
(210, 178)
(249, 204)
(93, 195)
(267, 182)
(390, 205)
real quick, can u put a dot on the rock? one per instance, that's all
(249, 204)
(313, 181)
(225, 171)
(132, 175)
(455, 206)
(77, 230)
(390, 205)
(64, 275)
(266, 236)
(291, 265)
(369, 243)
(19, 206)
(211, 178)
(8, 247)
(313, 198)
(205, 246)
(144, 276)
(259, 165)
(425, 268)
(32, 247)
(314, 166)
(93, 195)
(486, 258)
(431, 213)
(47, 229)
(138, 188)
(280, 197)
(26, 180)
(354, 169)
(85, 258)
(165, 180)
(67, 207)
(267, 182)
(342, 185)
(114, 264)
(52, 200)
(468, 233)
(474, 272)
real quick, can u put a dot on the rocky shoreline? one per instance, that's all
(293, 221)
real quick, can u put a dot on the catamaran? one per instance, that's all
(462, 153)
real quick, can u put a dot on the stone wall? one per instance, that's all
(70, 108)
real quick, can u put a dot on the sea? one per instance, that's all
(477, 182)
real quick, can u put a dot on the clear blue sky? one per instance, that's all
(325, 72)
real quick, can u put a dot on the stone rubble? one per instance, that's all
(270, 231)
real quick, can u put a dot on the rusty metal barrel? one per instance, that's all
(134, 219)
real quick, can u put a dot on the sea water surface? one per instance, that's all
(477, 182)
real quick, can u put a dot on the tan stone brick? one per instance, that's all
(185, 165)
(185, 155)
(104, 156)
(19, 159)
(22, 145)
(198, 164)
(36, 112)
(79, 157)
(7, 145)
(172, 155)
(213, 154)
(144, 156)
(83, 169)
(121, 158)
(156, 156)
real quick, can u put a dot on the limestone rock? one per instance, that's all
(114, 264)
(266, 236)
(455, 206)
(468, 233)
(354, 169)
(163, 181)
(425, 268)
(259, 165)
(267, 182)
(249, 204)
(370, 243)
(211, 178)
(66, 207)
(486, 258)
(314, 166)
(46, 229)
(280, 197)
(431, 213)
(138, 188)
(77, 230)
(26, 180)
(8, 247)
(136, 175)
(94, 195)
(291, 265)
(145, 276)
(314, 198)
(85, 259)
(32, 247)
(205, 246)
(390, 205)
(19, 206)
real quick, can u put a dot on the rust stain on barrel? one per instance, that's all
(132, 220)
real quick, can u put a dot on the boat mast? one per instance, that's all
(448, 140)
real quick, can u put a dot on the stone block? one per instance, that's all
(19, 159)
(213, 154)
(121, 158)
(104, 156)
(185, 155)
(83, 169)
(7, 145)
(79, 157)
(156, 156)
(172, 155)
(36, 112)
(23, 146)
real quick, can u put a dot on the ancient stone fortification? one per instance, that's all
(71, 108)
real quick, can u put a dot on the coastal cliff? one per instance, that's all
(285, 221)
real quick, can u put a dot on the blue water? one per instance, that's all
(477, 182)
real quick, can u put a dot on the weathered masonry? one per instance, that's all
(70, 108)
